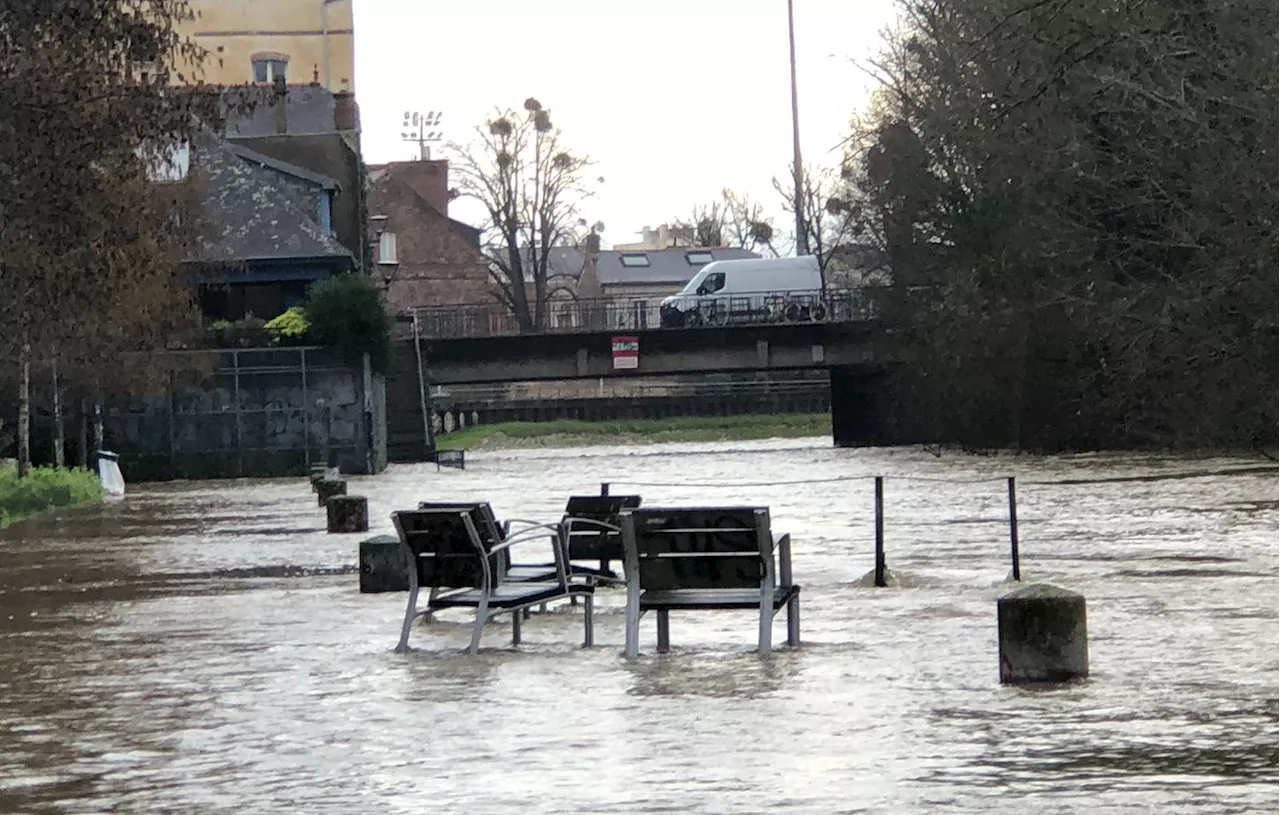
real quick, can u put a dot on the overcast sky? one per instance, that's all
(673, 99)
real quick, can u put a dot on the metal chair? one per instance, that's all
(464, 568)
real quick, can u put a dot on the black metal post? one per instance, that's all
(604, 488)
(880, 569)
(1013, 529)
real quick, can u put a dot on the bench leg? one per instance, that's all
(793, 620)
(573, 601)
(515, 628)
(633, 628)
(664, 632)
(588, 622)
(426, 615)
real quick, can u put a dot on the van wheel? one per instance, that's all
(792, 313)
(693, 319)
(818, 313)
(720, 316)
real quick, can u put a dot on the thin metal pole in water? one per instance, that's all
(428, 439)
(1013, 529)
(880, 581)
(604, 488)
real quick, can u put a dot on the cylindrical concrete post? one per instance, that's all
(1044, 635)
(328, 488)
(347, 513)
(382, 565)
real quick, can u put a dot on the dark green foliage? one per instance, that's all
(1088, 190)
(347, 313)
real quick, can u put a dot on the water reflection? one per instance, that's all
(202, 647)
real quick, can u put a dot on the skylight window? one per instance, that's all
(635, 261)
(698, 258)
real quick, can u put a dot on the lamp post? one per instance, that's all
(416, 130)
(802, 235)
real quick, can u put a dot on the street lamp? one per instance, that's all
(802, 236)
(421, 123)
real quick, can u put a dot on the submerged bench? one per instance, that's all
(706, 558)
(448, 553)
(592, 530)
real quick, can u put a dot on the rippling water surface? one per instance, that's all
(203, 647)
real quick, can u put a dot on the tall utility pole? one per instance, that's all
(802, 234)
(419, 122)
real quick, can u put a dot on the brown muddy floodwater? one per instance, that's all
(202, 647)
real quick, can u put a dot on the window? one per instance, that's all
(635, 261)
(169, 163)
(713, 283)
(698, 258)
(269, 69)
(387, 247)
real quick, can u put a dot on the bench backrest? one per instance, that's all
(591, 542)
(445, 543)
(698, 547)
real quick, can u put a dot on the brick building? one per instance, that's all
(425, 257)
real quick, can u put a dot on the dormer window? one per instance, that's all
(636, 260)
(270, 67)
(698, 258)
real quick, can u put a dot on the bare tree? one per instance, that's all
(734, 219)
(87, 272)
(831, 216)
(531, 186)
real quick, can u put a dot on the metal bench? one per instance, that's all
(463, 568)
(706, 558)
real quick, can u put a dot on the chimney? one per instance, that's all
(592, 244)
(429, 178)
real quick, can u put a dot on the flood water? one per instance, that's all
(203, 647)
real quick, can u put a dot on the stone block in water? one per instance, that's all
(382, 565)
(328, 488)
(1043, 635)
(347, 513)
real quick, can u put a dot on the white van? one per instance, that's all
(753, 290)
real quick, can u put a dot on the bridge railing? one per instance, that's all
(622, 389)
(573, 316)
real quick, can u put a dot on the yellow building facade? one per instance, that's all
(260, 40)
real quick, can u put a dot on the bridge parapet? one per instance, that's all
(584, 316)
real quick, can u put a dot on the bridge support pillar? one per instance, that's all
(859, 417)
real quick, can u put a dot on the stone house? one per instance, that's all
(423, 257)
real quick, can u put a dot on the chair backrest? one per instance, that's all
(699, 547)
(589, 541)
(444, 545)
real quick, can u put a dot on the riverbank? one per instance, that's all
(45, 488)
(575, 433)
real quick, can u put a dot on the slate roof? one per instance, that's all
(665, 265)
(259, 208)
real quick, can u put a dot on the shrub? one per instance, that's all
(292, 323)
(44, 488)
(346, 313)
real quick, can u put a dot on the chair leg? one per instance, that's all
(766, 630)
(793, 620)
(482, 617)
(515, 628)
(588, 622)
(410, 611)
(664, 632)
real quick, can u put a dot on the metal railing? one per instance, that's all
(645, 314)
(620, 389)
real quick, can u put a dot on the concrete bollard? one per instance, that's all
(382, 565)
(328, 488)
(347, 513)
(1044, 635)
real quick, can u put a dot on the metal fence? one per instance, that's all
(621, 389)
(645, 314)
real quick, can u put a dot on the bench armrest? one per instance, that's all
(782, 545)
